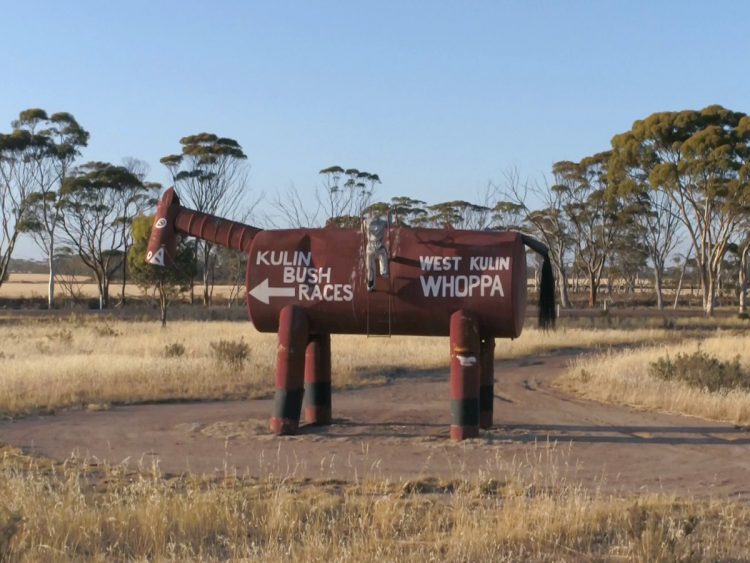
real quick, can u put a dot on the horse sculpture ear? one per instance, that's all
(162, 242)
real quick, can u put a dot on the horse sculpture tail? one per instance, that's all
(547, 285)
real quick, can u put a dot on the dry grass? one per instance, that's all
(34, 286)
(622, 377)
(40, 279)
(54, 363)
(517, 510)
(79, 510)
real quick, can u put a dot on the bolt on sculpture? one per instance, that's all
(306, 284)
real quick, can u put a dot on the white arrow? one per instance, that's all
(262, 292)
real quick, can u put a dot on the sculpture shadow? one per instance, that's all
(641, 435)
(541, 433)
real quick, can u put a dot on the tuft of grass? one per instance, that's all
(174, 350)
(230, 353)
(106, 330)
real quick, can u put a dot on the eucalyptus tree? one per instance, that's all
(210, 174)
(16, 184)
(700, 159)
(459, 214)
(97, 198)
(744, 252)
(628, 260)
(595, 217)
(292, 209)
(408, 211)
(347, 192)
(742, 249)
(654, 214)
(341, 199)
(550, 223)
(60, 140)
(402, 211)
(509, 216)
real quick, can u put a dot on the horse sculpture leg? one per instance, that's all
(318, 380)
(465, 369)
(290, 370)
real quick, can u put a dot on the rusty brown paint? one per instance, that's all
(318, 380)
(172, 218)
(290, 370)
(433, 273)
(465, 346)
(306, 284)
(162, 244)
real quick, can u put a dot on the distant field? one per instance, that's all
(30, 286)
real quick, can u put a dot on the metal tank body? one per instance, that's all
(432, 274)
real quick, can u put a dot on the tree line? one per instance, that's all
(676, 177)
(677, 180)
(87, 209)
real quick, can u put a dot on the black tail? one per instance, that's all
(547, 286)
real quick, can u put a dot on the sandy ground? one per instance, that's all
(400, 431)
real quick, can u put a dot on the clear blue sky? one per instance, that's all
(436, 97)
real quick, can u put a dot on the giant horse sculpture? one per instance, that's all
(306, 284)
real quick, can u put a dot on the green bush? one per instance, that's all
(702, 370)
(232, 353)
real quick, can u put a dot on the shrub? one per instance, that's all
(63, 336)
(701, 370)
(105, 330)
(668, 324)
(232, 353)
(174, 350)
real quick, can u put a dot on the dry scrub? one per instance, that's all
(77, 361)
(623, 377)
(79, 510)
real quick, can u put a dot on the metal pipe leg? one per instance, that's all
(318, 380)
(464, 342)
(290, 370)
(486, 381)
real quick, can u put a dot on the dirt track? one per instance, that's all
(400, 430)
